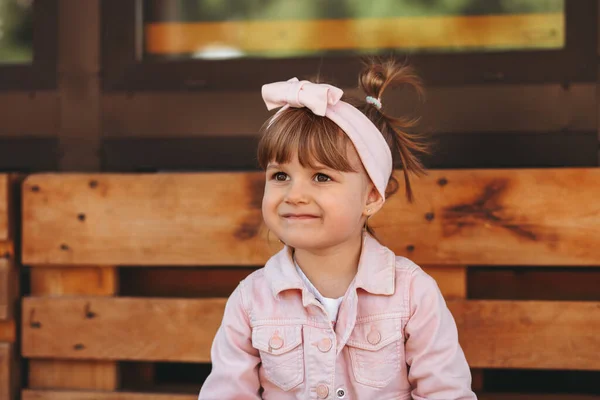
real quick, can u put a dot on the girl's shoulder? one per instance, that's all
(416, 284)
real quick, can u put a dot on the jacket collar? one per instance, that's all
(376, 270)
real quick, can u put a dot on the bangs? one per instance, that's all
(316, 140)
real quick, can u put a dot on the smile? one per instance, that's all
(299, 217)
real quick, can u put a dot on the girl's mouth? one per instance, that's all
(299, 216)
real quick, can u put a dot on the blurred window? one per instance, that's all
(222, 29)
(16, 31)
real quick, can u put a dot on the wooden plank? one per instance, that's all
(517, 334)
(498, 217)
(8, 331)
(79, 128)
(180, 282)
(475, 109)
(91, 281)
(534, 283)
(72, 374)
(451, 279)
(8, 289)
(461, 217)
(77, 395)
(97, 219)
(120, 328)
(7, 372)
(19, 106)
(529, 334)
(4, 207)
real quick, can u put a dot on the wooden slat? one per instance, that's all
(539, 335)
(7, 289)
(4, 207)
(451, 279)
(76, 395)
(70, 395)
(91, 281)
(7, 372)
(498, 217)
(534, 283)
(134, 219)
(529, 334)
(8, 331)
(180, 282)
(120, 328)
(467, 217)
(72, 374)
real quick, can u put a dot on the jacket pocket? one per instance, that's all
(376, 352)
(281, 354)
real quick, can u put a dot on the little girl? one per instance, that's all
(335, 314)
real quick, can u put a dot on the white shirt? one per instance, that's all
(332, 306)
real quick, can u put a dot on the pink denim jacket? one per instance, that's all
(394, 337)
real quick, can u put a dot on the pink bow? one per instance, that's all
(295, 93)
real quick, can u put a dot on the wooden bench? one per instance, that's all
(8, 291)
(97, 315)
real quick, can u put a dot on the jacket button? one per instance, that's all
(374, 337)
(324, 345)
(322, 391)
(341, 393)
(276, 342)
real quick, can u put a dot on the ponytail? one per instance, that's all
(405, 146)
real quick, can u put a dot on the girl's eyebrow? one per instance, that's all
(273, 165)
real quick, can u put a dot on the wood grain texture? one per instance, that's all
(8, 289)
(59, 373)
(91, 281)
(494, 334)
(460, 217)
(8, 280)
(179, 219)
(529, 334)
(8, 331)
(451, 279)
(7, 377)
(4, 207)
(498, 217)
(120, 328)
(73, 374)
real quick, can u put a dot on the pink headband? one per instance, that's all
(324, 100)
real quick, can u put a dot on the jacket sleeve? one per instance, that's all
(235, 362)
(437, 365)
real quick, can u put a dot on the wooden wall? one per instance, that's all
(129, 271)
(77, 127)
(9, 292)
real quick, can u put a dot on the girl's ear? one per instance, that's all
(374, 202)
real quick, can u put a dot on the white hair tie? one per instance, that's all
(376, 102)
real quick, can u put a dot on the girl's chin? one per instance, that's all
(308, 242)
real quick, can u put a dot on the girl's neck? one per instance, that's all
(331, 270)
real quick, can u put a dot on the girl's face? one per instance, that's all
(314, 209)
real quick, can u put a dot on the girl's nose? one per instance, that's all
(296, 193)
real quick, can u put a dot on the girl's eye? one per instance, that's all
(321, 178)
(280, 176)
